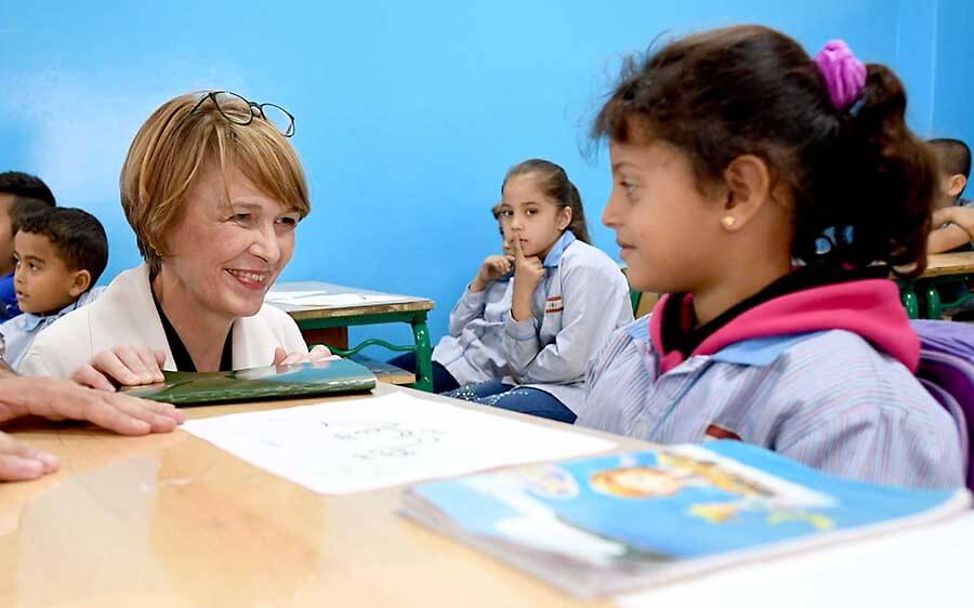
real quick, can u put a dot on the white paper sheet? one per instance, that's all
(926, 566)
(350, 446)
(320, 298)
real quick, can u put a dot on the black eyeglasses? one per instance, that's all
(241, 111)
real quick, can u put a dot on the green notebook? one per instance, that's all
(299, 380)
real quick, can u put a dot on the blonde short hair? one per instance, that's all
(183, 138)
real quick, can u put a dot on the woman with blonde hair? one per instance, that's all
(214, 193)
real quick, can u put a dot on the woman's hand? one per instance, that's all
(125, 365)
(19, 461)
(318, 354)
(62, 399)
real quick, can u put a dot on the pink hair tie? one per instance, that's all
(844, 75)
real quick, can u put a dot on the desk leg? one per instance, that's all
(424, 354)
(933, 302)
(911, 302)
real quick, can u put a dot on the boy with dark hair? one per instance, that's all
(954, 169)
(22, 185)
(20, 194)
(60, 253)
(953, 216)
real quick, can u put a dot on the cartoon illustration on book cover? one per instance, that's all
(647, 506)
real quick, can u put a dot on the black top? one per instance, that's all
(184, 363)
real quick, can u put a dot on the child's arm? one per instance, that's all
(954, 228)
(593, 301)
(492, 268)
(473, 301)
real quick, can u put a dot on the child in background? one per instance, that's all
(60, 254)
(19, 194)
(473, 351)
(953, 216)
(733, 152)
(566, 300)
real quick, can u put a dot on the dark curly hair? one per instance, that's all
(858, 177)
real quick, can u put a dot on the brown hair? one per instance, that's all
(180, 140)
(554, 182)
(858, 178)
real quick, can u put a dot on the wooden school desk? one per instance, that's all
(172, 521)
(329, 324)
(922, 296)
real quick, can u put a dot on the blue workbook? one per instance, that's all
(622, 522)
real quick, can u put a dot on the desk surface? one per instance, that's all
(941, 264)
(402, 303)
(170, 520)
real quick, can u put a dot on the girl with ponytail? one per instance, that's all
(770, 195)
(566, 297)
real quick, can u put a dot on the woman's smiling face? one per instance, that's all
(230, 245)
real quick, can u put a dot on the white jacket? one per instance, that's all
(126, 314)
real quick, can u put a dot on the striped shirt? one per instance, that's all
(827, 399)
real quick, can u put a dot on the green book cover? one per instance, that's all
(288, 381)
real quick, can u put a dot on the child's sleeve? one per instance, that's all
(470, 307)
(596, 302)
(876, 443)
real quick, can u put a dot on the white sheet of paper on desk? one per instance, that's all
(339, 447)
(318, 298)
(929, 565)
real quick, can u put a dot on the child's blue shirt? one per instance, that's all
(19, 332)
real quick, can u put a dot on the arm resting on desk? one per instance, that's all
(955, 227)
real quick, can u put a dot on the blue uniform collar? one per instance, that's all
(755, 352)
(554, 256)
(638, 330)
(31, 321)
(759, 352)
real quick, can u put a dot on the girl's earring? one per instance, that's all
(728, 221)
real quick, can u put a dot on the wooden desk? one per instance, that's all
(922, 296)
(945, 264)
(171, 521)
(329, 324)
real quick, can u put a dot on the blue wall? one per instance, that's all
(916, 58)
(408, 114)
(953, 82)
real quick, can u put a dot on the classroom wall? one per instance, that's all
(916, 58)
(954, 81)
(408, 114)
